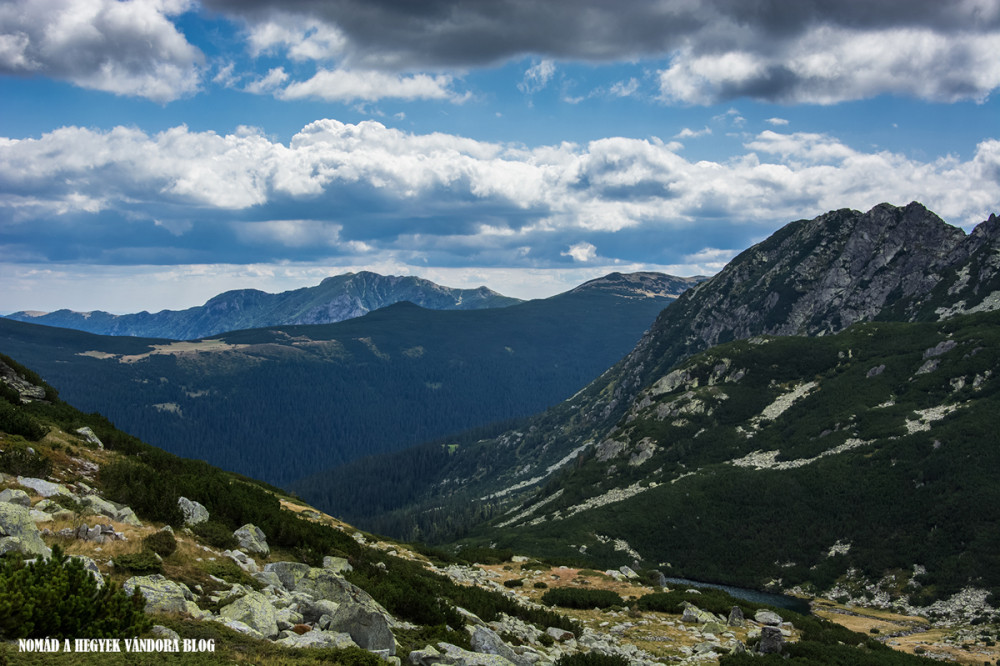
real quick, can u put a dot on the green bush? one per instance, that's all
(215, 534)
(140, 564)
(148, 490)
(17, 459)
(163, 543)
(574, 597)
(58, 598)
(15, 421)
(540, 585)
(513, 582)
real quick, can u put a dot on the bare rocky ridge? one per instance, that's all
(335, 299)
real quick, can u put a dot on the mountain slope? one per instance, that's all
(334, 299)
(794, 461)
(812, 277)
(280, 403)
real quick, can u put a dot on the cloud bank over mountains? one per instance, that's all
(346, 190)
(812, 51)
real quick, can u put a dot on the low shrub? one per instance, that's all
(141, 564)
(58, 598)
(592, 659)
(513, 582)
(573, 597)
(163, 543)
(19, 459)
(215, 534)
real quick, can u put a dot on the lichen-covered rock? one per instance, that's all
(487, 641)
(455, 656)
(162, 595)
(771, 641)
(43, 487)
(289, 573)
(767, 617)
(736, 618)
(89, 436)
(251, 538)
(254, 610)
(336, 564)
(15, 496)
(317, 639)
(695, 615)
(194, 512)
(18, 531)
(369, 629)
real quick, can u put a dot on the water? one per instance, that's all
(800, 606)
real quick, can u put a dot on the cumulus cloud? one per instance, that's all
(537, 77)
(582, 252)
(806, 51)
(126, 47)
(343, 190)
(338, 85)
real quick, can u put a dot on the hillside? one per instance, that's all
(811, 278)
(173, 556)
(334, 299)
(323, 395)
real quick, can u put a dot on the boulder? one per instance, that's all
(317, 639)
(313, 611)
(767, 617)
(162, 595)
(560, 635)
(336, 564)
(628, 572)
(455, 656)
(368, 628)
(487, 641)
(90, 437)
(43, 487)
(252, 539)
(18, 531)
(194, 512)
(241, 627)
(771, 641)
(160, 631)
(268, 578)
(289, 573)
(254, 610)
(736, 618)
(694, 615)
(15, 496)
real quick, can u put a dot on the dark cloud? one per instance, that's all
(401, 33)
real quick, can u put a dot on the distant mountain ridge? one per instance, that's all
(334, 299)
(812, 277)
(278, 403)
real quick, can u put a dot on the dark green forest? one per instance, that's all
(283, 403)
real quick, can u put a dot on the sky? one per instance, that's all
(155, 153)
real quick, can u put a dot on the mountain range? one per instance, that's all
(282, 402)
(801, 427)
(334, 299)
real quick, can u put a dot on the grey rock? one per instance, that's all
(289, 573)
(771, 641)
(15, 496)
(369, 629)
(268, 578)
(768, 617)
(251, 538)
(336, 564)
(89, 436)
(194, 512)
(487, 641)
(736, 618)
(317, 639)
(18, 531)
(162, 595)
(160, 631)
(254, 610)
(43, 487)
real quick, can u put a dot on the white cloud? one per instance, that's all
(340, 85)
(777, 122)
(829, 64)
(688, 133)
(126, 47)
(624, 88)
(302, 38)
(583, 252)
(368, 189)
(537, 77)
(268, 83)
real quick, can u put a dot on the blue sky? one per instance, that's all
(154, 153)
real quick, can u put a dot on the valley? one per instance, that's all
(816, 420)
